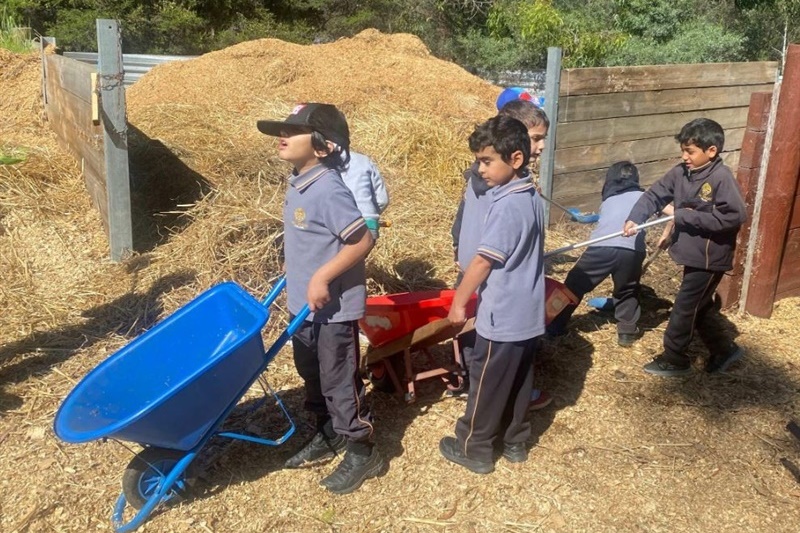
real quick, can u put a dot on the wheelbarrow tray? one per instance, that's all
(394, 316)
(170, 385)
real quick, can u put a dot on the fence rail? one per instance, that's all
(633, 113)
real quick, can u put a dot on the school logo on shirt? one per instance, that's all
(300, 218)
(706, 193)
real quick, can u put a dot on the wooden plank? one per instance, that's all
(71, 75)
(778, 194)
(591, 181)
(582, 158)
(606, 131)
(789, 278)
(659, 77)
(794, 221)
(601, 106)
(73, 109)
(115, 138)
(74, 140)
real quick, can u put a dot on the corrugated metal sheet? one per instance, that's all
(134, 65)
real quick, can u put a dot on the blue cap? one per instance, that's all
(517, 93)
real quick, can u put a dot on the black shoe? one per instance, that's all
(663, 368)
(515, 452)
(627, 339)
(319, 448)
(449, 448)
(353, 471)
(721, 363)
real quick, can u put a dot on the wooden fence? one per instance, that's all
(772, 254)
(633, 113)
(85, 106)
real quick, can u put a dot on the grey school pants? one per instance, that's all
(596, 264)
(500, 383)
(326, 357)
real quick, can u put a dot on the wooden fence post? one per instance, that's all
(779, 192)
(747, 174)
(552, 86)
(115, 137)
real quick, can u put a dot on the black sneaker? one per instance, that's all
(451, 451)
(721, 363)
(627, 339)
(353, 471)
(515, 452)
(319, 448)
(660, 367)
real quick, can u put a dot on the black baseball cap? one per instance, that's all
(308, 117)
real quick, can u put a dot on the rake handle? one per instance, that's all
(606, 237)
(558, 205)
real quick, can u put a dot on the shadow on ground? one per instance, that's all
(162, 189)
(127, 316)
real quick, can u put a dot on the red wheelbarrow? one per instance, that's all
(400, 325)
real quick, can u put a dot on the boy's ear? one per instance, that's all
(331, 147)
(712, 152)
(517, 160)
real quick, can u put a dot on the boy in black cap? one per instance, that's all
(620, 257)
(325, 243)
(708, 213)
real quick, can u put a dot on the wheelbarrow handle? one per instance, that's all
(298, 320)
(606, 237)
(274, 292)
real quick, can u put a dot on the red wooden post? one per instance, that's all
(779, 192)
(747, 177)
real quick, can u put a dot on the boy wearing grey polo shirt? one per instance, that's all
(507, 272)
(620, 257)
(325, 244)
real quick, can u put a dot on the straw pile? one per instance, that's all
(616, 451)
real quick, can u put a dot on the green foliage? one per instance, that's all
(11, 38)
(695, 42)
(486, 34)
(12, 157)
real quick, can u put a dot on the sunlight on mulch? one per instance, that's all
(617, 451)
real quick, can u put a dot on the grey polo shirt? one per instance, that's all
(511, 300)
(476, 205)
(614, 212)
(319, 215)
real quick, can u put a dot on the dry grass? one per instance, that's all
(617, 451)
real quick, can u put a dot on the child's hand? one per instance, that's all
(665, 240)
(317, 294)
(629, 229)
(457, 315)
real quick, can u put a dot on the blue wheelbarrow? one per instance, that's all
(170, 390)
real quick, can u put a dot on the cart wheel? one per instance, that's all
(379, 375)
(147, 470)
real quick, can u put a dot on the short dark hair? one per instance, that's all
(526, 112)
(505, 134)
(703, 133)
(337, 160)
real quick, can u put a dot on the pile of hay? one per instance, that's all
(408, 110)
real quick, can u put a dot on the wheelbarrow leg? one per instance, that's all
(411, 393)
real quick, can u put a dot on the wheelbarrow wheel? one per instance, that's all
(148, 470)
(378, 373)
